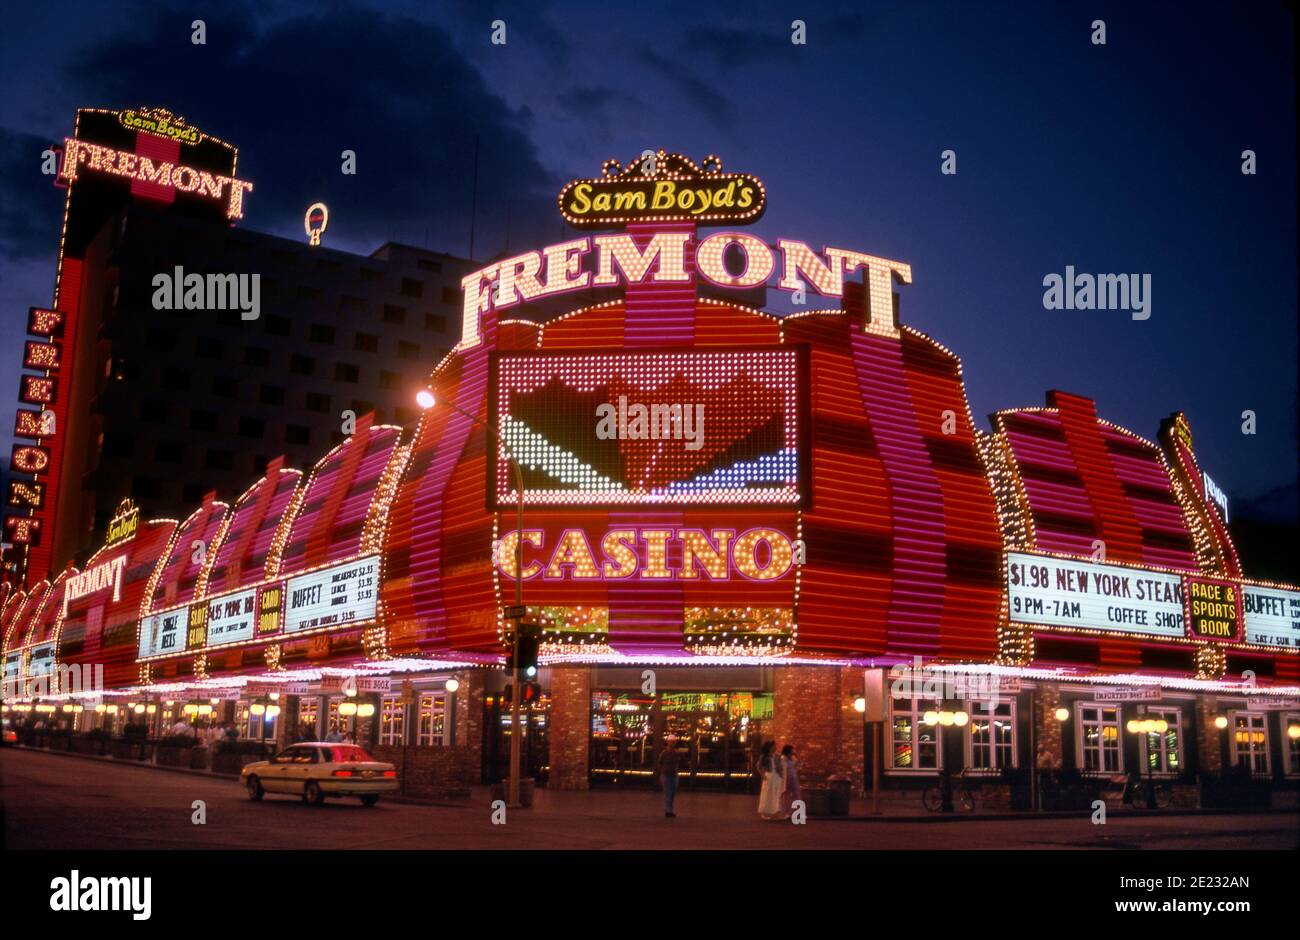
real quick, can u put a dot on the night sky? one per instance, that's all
(1120, 158)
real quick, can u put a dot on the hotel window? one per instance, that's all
(408, 350)
(991, 744)
(1163, 753)
(1250, 741)
(915, 744)
(1291, 743)
(431, 726)
(392, 720)
(1097, 738)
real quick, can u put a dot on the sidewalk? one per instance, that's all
(613, 804)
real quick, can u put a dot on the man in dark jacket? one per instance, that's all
(667, 767)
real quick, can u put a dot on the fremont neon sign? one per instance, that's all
(608, 260)
(132, 166)
(757, 554)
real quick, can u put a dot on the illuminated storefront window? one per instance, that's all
(1292, 746)
(334, 721)
(1249, 741)
(1098, 738)
(1164, 751)
(715, 733)
(992, 738)
(392, 720)
(916, 743)
(432, 719)
(308, 709)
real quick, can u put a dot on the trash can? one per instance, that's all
(841, 788)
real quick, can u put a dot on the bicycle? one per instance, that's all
(962, 796)
(1136, 789)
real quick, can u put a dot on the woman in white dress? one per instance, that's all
(769, 769)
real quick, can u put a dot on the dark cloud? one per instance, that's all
(527, 22)
(699, 93)
(738, 46)
(295, 93)
(603, 112)
(31, 206)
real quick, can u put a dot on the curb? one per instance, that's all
(234, 778)
(1057, 814)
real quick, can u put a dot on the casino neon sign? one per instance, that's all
(610, 260)
(756, 554)
(133, 166)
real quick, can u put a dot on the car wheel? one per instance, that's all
(255, 791)
(312, 793)
(369, 799)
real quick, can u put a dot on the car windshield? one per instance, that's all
(349, 752)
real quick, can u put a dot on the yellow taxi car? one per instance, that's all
(315, 770)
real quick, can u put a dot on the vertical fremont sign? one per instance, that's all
(29, 502)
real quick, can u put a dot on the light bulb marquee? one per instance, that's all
(82, 154)
(669, 188)
(663, 187)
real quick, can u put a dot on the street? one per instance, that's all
(50, 801)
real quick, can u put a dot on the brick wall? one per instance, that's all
(469, 713)
(432, 772)
(813, 710)
(1209, 739)
(570, 728)
(1048, 730)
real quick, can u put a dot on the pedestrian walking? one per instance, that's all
(789, 780)
(669, 760)
(769, 769)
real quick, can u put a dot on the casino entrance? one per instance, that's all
(717, 733)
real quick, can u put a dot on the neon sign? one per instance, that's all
(133, 166)
(757, 554)
(569, 266)
(663, 187)
(124, 524)
(316, 220)
(103, 576)
(161, 122)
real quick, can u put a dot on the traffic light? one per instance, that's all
(530, 640)
(530, 692)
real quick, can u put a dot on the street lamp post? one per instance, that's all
(426, 400)
(1144, 728)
